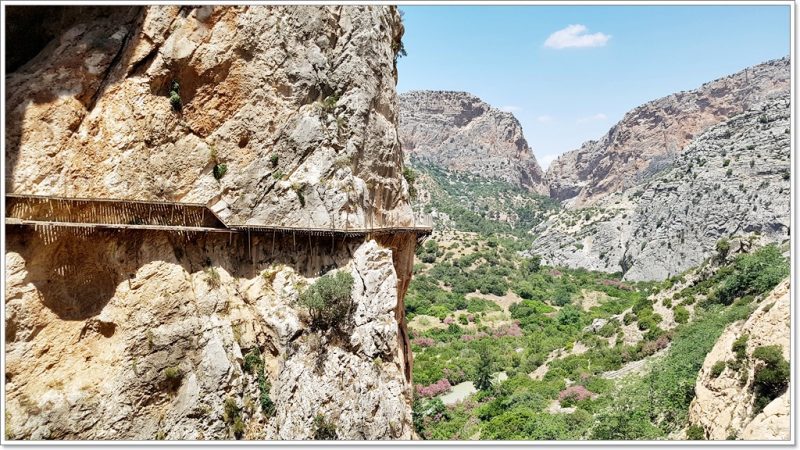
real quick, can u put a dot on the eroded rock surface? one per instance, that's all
(733, 180)
(723, 405)
(460, 132)
(651, 136)
(163, 335)
(298, 103)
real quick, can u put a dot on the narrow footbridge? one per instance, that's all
(99, 214)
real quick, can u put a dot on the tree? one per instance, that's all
(483, 376)
(329, 300)
(533, 264)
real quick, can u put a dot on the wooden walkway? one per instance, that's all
(102, 214)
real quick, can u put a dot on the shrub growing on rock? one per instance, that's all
(329, 300)
(695, 433)
(324, 430)
(771, 376)
(717, 369)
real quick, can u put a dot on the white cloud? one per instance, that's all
(546, 160)
(575, 36)
(544, 119)
(510, 108)
(595, 118)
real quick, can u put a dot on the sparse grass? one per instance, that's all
(323, 429)
(212, 277)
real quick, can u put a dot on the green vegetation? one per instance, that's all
(323, 429)
(212, 277)
(173, 377)
(717, 369)
(329, 300)
(232, 415)
(175, 96)
(329, 104)
(255, 365)
(771, 377)
(411, 177)
(474, 203)
(220, 170)
(298, 190)
(273, 159)
(695, 433)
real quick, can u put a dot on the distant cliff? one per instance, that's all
(733, 179)
(459, 132)
(652, 135)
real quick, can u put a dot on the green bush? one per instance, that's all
(274, 160)
(717, 369)
(771, 377)
(329, 300)
(411, 177)
(220, 170)
(323, 429)
(723, 247)
(681, 314)
(232, 415)
(751, 274)
(173, 377)
(739, 347)
(175, 97)
(629, 318)
(695, 433)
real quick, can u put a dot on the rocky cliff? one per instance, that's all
(650, 136)
(725, 405)
(279, 115)
(459, 132)
(731, 180)
(298, 104)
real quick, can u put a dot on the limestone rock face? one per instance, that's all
(298, 103)
(723, 406)
(460, 132)
(95, 323)
(649, 137)
(732, 180)
(133, 334)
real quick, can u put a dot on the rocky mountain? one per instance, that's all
(728, 387)
(733, 179)
(272, 115)
(461, 133)
(650, 136)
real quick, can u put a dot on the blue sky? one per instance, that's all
(584, 80)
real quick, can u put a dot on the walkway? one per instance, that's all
(97, 214)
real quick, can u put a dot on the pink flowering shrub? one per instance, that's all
(424, 342)
(439, 387)
(470, 318)
(555, 273)
(448, 320)
(572, 394)
(512, 330)
(472, 337)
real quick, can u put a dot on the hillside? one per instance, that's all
(651, 136)
(731, 180)
(461, 133)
